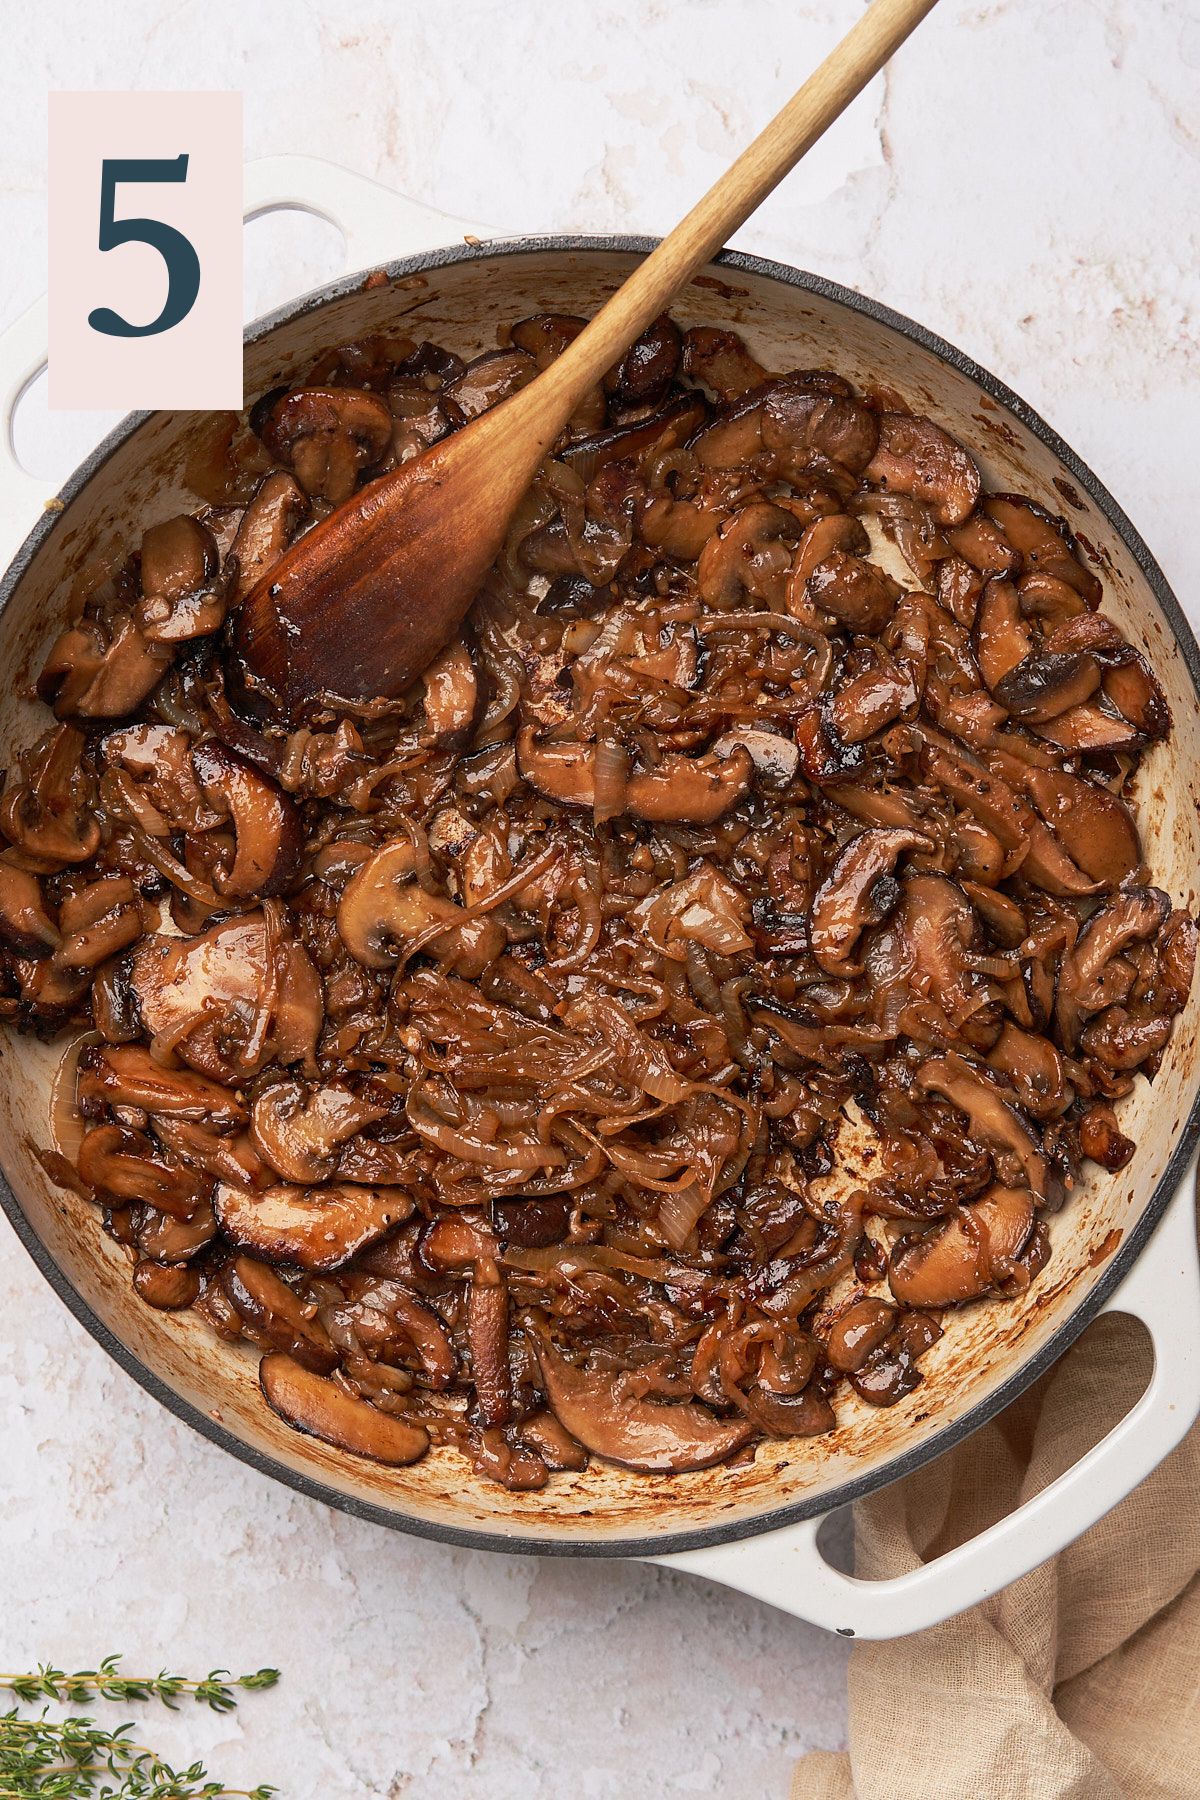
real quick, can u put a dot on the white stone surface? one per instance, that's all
(1026, 181)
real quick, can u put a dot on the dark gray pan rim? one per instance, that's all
(1188, 1130)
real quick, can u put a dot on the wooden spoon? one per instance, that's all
(364, 601)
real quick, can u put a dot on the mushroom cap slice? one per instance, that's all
(299, 1131)
(127, 1075)
(916, 457)
(317, 1228)
(277, 1317)
(968, 1255)
(995, 1120)
(26, 928)
(322, 1409)
(265, 822)
(659, 1440)
(858, 891)
(218, 979)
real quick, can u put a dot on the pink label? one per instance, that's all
(145, 251)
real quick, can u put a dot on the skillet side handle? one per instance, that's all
(786, 1568)
(22, 496)
(377, 225)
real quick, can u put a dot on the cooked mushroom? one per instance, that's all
(855, 592)
(857, 1330)
(266, 828)
(299, 1131)
(275, 1315)
(215, 997)
(127, 1075)
(26, 927)
(858, 891)
(698, 789)
(1033, 1069)
(915, 456)
(183, 596)
(1094, 973)
(384, 911)
(491, 378)
(647, 369)
(99, 921)
(276, 511)
(721, 361)
(125, 1165)
(974, 1252)
(1094, 826)
(328, 436)
(640, 1434)
(93, 673)
(318, 1228)
(169, 1287)
(993, 1120)
(1002, 639)
(317, 1405)
(750, 556)
(1044, 684)
(803, 421)
(46, 814)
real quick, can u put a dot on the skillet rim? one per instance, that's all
(1028, 1369)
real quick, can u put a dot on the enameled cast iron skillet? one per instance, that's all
(753, 1527)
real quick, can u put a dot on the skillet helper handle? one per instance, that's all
(787, 1569)
(377, 225)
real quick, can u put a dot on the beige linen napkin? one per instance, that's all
(1079, 1682)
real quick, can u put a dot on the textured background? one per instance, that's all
(1025, 182)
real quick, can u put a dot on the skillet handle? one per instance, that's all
(786, 1568)
(377, 225)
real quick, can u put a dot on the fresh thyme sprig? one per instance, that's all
(74, 1758)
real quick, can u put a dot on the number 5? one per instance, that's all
(183, 265)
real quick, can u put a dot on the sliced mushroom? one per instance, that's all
(93, 673)
(127, 1075)
(26, 928)
(858, 1330)
(317, 1228)
(277, 509)
(1042, 541)
(299, 1131)
(871, 701)
(384, 910)
(721, 361)
(275, 1315)
(803, 421)
(1001, 639)
(1094, 826)
(126, 1165)
(857, 593)
(231, 1159)
(775, 757)
(328, 436)
(167, 1240)
(640, 1434)
(858, 891)
(1044, 684)
(749, 557)
(915, 456)
(1094, 974)
(487, 1339)
(648, 367)
(1133, 688)
(491, 378)
(319, 1406)
(1090, 729)
(1033, 1069)
(169, 1287)
(177, 556)
(971, 1254)
(265, 822)
(993, 1121)
(665, 429)
(99, 921)
(1101, 1138)
(695, 790)
(45, 813)
(208, 995)
(542, 1432)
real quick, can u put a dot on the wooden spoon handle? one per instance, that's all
(729, 203)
